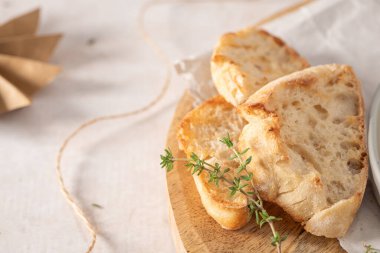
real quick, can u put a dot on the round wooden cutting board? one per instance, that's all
(194, 230)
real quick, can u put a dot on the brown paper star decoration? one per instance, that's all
(23, 56)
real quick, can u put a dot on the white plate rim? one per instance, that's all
(373, 145)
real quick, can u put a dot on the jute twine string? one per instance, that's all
(166, 60)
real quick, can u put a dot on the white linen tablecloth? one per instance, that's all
(114, 164)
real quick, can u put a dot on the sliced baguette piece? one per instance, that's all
(306, 136)
(199, 133)
(244, 61)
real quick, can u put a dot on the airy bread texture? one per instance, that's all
(306, 136)
(245, 61)
(199, 133)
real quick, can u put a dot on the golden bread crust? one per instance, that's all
(307, 138)
(244, 61)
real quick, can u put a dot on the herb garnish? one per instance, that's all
(238, 184)
(370, 249)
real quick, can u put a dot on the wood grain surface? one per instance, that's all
(194, 230)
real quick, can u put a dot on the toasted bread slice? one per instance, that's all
(245, 61)
(306, 136)
(199, 133)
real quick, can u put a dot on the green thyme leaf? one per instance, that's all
(248, 160)
(227, 141)
(370, 249)
(248, 178)
(167, 160)
(277, 239)
(240, 168)
(244, 151)
(232, 191)
(233, 157)
(97, 205)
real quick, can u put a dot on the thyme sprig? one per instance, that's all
(239, 183)
(255, 203)
(370, 249)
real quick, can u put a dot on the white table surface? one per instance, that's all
(113, 164)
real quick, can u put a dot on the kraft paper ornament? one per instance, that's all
(11, 97)
(26, 24)
(34, 47)
(23, 56)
